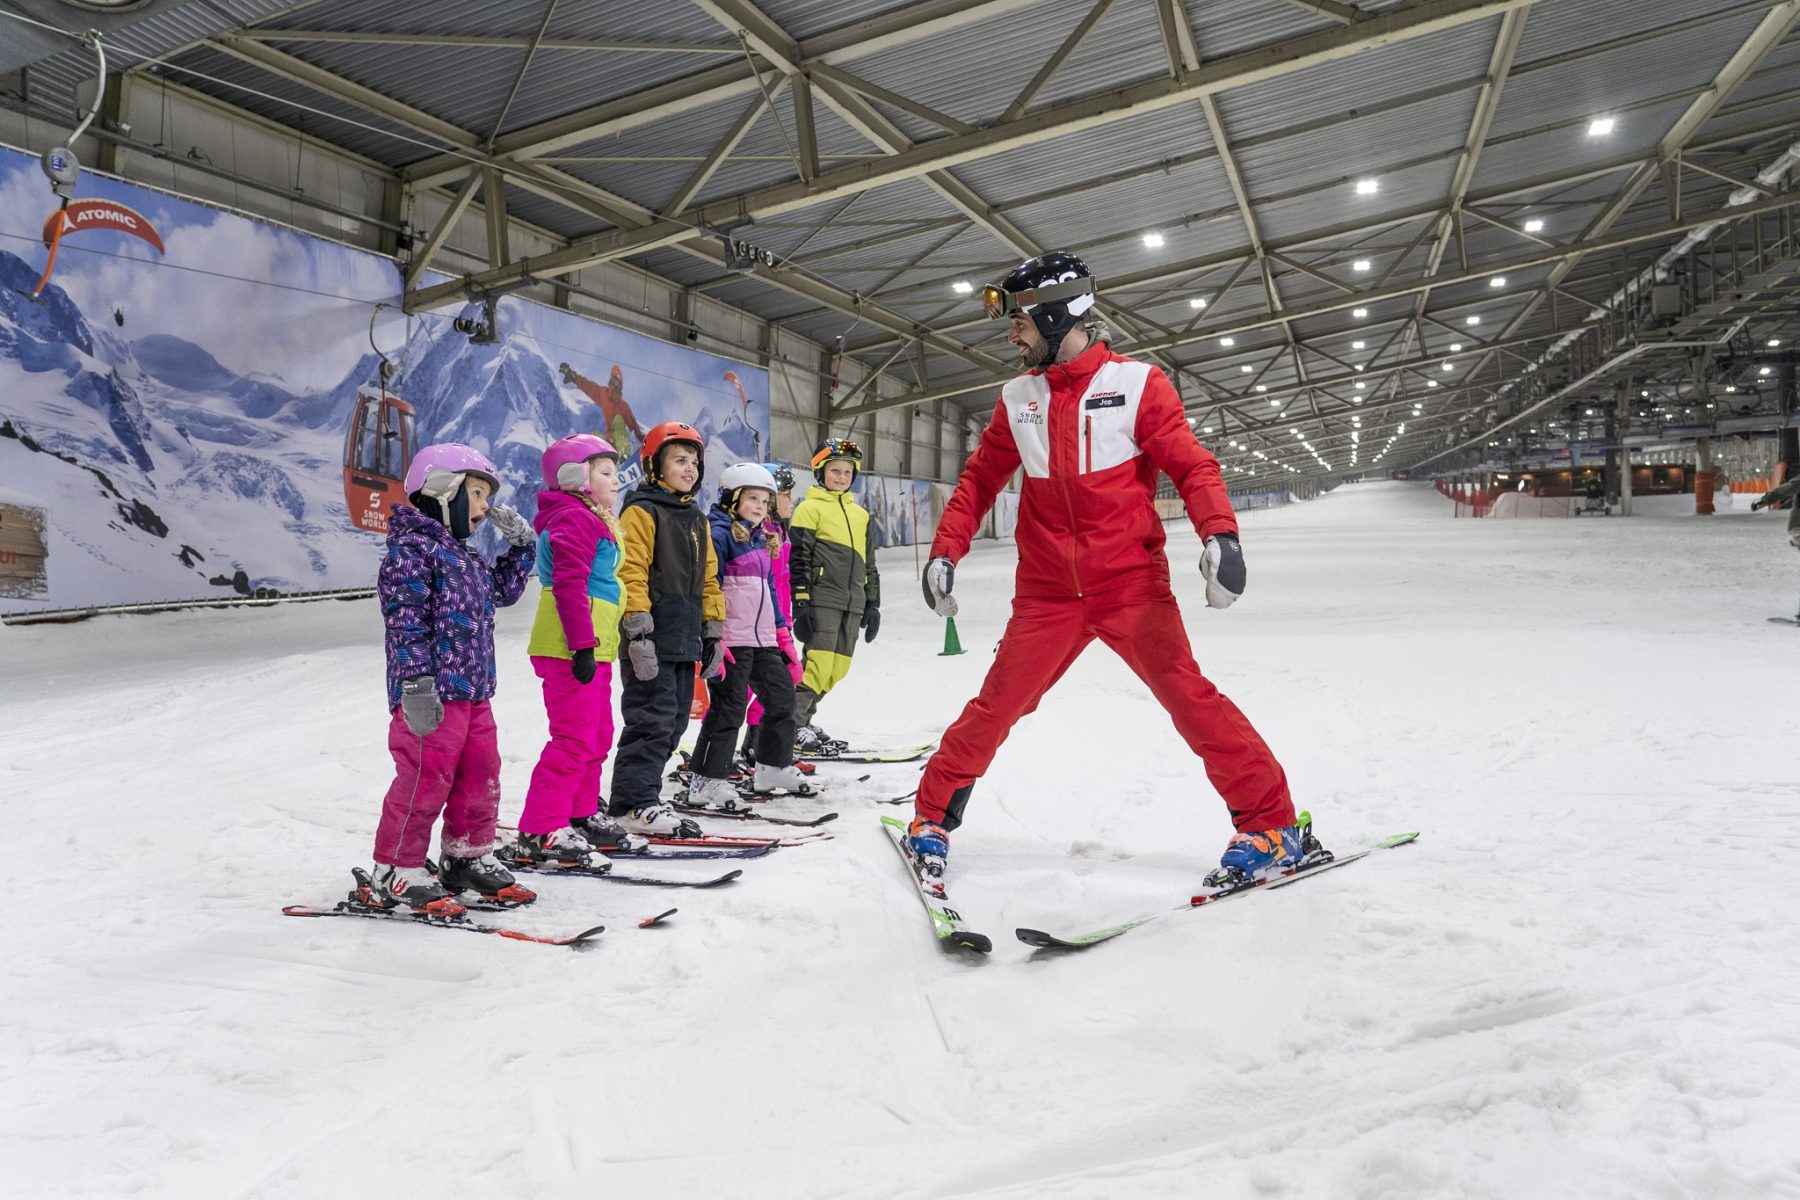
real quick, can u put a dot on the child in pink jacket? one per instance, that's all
(775, 527)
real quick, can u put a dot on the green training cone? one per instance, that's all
(951, 644)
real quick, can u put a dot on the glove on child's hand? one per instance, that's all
(513, 527)
(583, 665)
(420, 707)
(871, 621)
(637, 628)
(803, 620)
(712, 649)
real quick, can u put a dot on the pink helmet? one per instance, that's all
(565, 462)
(438, 470)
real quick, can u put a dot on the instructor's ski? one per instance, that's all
(1042, 940)
(945, 920)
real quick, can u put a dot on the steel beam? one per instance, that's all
(1092, 111)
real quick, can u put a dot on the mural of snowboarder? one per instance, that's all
(731, 377)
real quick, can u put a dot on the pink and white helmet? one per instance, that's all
(565, 462)
(439, 470)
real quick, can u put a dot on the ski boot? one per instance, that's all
(658, 820)
(929, 844)
(566, 845)
(492, 883)
(810, 739)
(604, 833)
(1249, 857)
(719, 795)
(390, 887)
(787, 779)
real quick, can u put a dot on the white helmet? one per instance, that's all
(739, 476)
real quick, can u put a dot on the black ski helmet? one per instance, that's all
(1053, 289)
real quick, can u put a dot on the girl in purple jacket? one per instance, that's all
(437, 600)
(754, 623)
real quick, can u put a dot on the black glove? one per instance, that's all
(803, 621)
(871, 621)
(1756, 506)
(582, 665)
(1222, 562)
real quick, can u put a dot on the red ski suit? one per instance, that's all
(1092, 434)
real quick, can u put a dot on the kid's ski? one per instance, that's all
(752, 814)
(946, 922)
(349, 908)
(1081, 941)
(851, 754)
(607, 873)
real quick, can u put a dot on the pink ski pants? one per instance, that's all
(454, 771)
(565, 785)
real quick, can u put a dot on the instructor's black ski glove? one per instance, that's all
(939, 578)
(1222, 562)
(871, 621)
(803, 621)
(582, 665)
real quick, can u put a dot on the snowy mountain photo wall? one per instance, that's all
(191, 404)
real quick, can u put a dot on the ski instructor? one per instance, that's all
(1092, 429)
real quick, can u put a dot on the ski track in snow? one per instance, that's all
(1580, 982)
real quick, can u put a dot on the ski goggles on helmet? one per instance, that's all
(998, 302)
(832, 448)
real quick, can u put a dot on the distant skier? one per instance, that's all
(611, 401)
(437, 601)
(1093, 430)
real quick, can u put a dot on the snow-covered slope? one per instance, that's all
(1581, 982)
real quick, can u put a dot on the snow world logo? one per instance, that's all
(1028, 414)
(83, 215)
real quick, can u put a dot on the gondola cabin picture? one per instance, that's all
(378, 448)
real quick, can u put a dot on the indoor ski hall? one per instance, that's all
(1104, 599)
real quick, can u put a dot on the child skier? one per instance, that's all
(836, 589)
(776, 525)
(437, 600)
(674, 616)
(753, 620)
(573, 643)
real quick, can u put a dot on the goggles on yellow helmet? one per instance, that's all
(832, 448)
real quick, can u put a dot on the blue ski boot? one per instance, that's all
(929, 844)
(1251, 856)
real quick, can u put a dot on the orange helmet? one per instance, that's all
(662, 435)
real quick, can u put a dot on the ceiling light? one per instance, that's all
(1774, 341)
(1645, 395)
(1471, 320)
(1275, 403)
(1153, 240)
(1449, 366)
(1246, 369)
(1359, 385)
(1535, 225)
(1357, 345)
(1262, 387)
(1455, 347)
(1359, 312)
(1227, 341)
(1197, 302)
(1497, 281)
(1766, 371)
(1206, 429)
(1367, 187)
(1730, 388)
(1431, 383)
(962, 287)
(1361, 264)
(1600, 126)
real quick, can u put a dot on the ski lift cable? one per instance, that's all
(63, 168)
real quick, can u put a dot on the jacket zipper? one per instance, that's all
(1069, 503)
(1088, 426)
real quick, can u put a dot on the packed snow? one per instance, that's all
(1581, 981)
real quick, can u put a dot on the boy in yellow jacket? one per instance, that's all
(836, 588)
(674, 616)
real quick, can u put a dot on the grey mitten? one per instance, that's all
(513, 527)
(420, 707)
(939, 578)
(712, 649)
(640, 648)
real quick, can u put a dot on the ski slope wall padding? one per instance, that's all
(192, 404)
